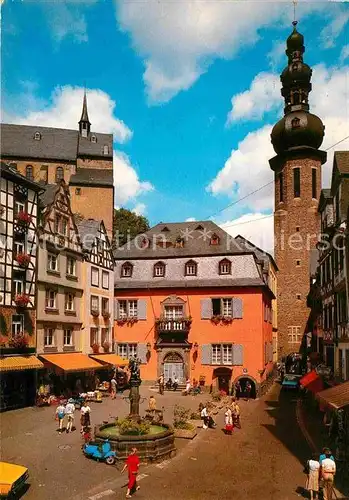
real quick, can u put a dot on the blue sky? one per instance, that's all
(190, 90)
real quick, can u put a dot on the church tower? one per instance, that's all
(296, 139)
(84, 123)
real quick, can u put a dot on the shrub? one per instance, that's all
(132, 427)
(180, 417)
(195, 415)
(216, 396)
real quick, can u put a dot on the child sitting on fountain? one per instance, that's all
(87, 434)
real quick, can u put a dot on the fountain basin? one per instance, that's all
(157, 444)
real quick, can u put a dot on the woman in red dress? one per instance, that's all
(132, 465)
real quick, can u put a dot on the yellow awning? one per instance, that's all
(110, 359)
(13, 363)
(72, 362)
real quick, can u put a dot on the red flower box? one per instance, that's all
(23, 259)
(95, 348)
(106, 346)
(95, 312)
(23, 218)
(106, 314)
(22, 300)
(19, 341)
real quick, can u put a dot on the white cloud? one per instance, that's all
(64, 111)
(255, 227)
(128, 186)
(247, 168)
(178, 40)
(276, 54)
(344, 54)
(139, 209)
(333, 29)
(190, 219)
(263, 96)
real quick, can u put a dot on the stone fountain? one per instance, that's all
(156, 445)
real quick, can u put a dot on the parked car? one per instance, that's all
(290, 381)
(12, 479)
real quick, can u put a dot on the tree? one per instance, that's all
(127, 225)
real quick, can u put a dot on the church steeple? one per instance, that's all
(84, 123)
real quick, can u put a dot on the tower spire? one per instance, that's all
(84, 123)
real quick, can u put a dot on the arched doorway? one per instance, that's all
(243, 381)
(223, 378)
(174, 367)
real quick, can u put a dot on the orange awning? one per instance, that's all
(337, 396)
(312, 382)
(110, 359)
(13, 363)
(72, 362)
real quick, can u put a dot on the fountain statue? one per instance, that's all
(135, 382)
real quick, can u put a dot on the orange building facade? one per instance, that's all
(194, 309)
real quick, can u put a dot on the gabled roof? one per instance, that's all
(48, 196)
(342, 161)
(247, 245)
(92, 176)
(11, 173)
(88, 231)
(17, 141)
(196, 242)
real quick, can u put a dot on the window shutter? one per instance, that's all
(271, 351)
(142, 309)
(116, 309)
(206, 350)
(238, 354)
(142, 353)
(237, 308)
(206, 308)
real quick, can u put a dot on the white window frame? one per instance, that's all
(49, 337)
(294, 334)
(18, 324)
(64, 226)
(94, 274)
(105, 335)
(132, 308)
(19, 206)
(132, 350)
(126, 271)
(191, 269)
(68, 337)
(123, 350)
(159, 270)
(51, 300)
(53, 262)
(227, 307)
(94, 300)
(18, 247)
(105, 280)
(105, 300)
(216, 354)
(227, 354)
(122, 309)
(173, 312)
(18, 286)
(71, 266)
(69, 302)
(93, 336)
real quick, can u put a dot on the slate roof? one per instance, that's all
(48, 196)
(240, 282)
(11, 173)
(342, 161)
(260, 254)
(92, 176)
(88, 231)
(195, 242)
(55, 143)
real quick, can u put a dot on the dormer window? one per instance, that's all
(164, 229)
(94, 139)
(126, 270)
(295, 123)
(37, 136)
(159, 269)
(179, 242)
(105, 149)
(214, 239)
(199, 228)
(59, 174)
(224, 267)
(29, 172)
(191, 268)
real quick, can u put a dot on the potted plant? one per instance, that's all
(106, 346)
(106, 314)
(19, 341)
(227, 319)
(23, 218)
(215, 319)
(22, 300)
(121, 321)
(95, 348)
(95, 312)
(132, 320)
(23, 259)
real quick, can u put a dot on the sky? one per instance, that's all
(189, 88)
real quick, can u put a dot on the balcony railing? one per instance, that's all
(343, 331)
(173, 325)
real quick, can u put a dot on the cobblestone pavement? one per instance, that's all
(263, 460)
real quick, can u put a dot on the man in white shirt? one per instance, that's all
(328, 471)
(69, 411)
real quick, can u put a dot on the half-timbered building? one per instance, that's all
(18, 276)
(98, 284)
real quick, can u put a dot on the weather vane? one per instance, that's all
(294, 11)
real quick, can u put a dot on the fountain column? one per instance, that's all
(135, 382)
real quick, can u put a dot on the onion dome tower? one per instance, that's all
(296, 139)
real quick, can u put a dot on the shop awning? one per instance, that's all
(337, 396)
(13, 363)
(110, 359)
(72, 362)
(312, 382)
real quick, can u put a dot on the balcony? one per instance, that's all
(343, 331)
(163, 325)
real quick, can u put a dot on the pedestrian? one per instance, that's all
(152, 404)
(228, 421)
(313, 471)
(235, 408)
(113, 387)
(187, 386)
(328, 471)
(161, 384)
(69, 411)
(322, 457)
(85, 415)
(237, 390)
(60, 414)
(169, 384)
(86, 434)
(248, 388)
(204, 417)
(132, 465)
(175, 383)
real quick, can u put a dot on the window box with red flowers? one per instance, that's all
(95, 348)
(23, 259)
(106, 314)
(132, 321)
(23, 218)
(22, 300)
(19, 341)
(121, 321)
(216, 320)
(227, 320)
(95, 312)
(106, 346)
